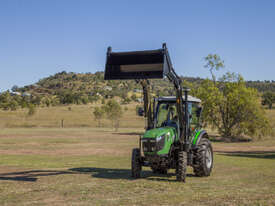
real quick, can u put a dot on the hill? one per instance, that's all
(82, 88)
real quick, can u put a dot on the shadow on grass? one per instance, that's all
(30, 176)
(104, 173)
(165, 179)
(107, 173)
(252, 154)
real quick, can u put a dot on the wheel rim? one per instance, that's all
(208, 157)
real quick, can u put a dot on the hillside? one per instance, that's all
(82, 88)
(89, 82)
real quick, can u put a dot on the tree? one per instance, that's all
(98, 114)
(268, 98)
(126, 100)
(14, 88)
(134, 97)
(213, 62)
(13, 105)
(113, 111)
(31, 110)
(232, 108)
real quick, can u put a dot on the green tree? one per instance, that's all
(213, 62)
(232, 108)
(98, 115)
(31, 109)
(114, 112)
(14, 88)
(134, 97)
(126, 100)
(268, 99)
(13, 105)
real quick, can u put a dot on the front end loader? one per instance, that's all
(173, 138)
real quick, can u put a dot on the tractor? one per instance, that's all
(174, 137)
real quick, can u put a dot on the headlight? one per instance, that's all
(160, 138)
(160, 142)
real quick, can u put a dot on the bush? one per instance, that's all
(98, 115)
(31, 109)
(268, 99)
(232, 108)
(113, 111)
(126, 100)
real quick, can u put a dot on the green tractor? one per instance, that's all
(173, 138)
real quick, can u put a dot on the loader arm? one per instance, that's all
(142, 66)
(176, 80)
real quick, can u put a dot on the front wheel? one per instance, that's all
(136, 163)
(203, 158)
(181, 166)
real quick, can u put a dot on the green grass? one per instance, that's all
(87, 166)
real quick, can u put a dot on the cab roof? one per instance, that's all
(173, 99)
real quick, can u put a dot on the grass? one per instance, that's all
(72, 115)
(78, 116)
(91, 166)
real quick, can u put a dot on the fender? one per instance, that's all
(196, 140)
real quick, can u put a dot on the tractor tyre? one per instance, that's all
(136, 163)
(203, 158)
(182, 166)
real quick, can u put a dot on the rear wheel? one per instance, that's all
(182, 166)
(136, 163)
(203, 158)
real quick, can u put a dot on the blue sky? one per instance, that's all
(41, 37)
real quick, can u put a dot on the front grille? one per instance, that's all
(149, 145)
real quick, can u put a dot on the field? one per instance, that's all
(72, 116)
(81, 164)
(77, 116)
(91, 166)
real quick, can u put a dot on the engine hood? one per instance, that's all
(156, 132)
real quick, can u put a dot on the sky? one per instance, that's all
(39, 38)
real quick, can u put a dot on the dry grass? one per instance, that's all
(76, 116)
(79, 116)
(91, 166)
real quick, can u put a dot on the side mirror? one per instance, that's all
(198, 112)
(140, 112)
